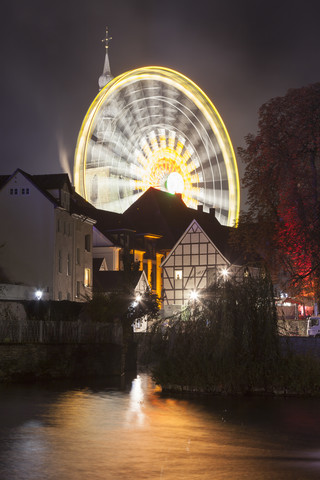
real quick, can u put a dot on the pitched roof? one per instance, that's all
(52, 181)
(6, 178)
(167, 215)
(48, 182)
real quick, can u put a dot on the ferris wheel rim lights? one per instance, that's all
(187, 88)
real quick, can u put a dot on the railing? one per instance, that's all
(46, 331)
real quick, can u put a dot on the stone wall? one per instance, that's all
(42, 361)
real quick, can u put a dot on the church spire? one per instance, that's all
(106, 74)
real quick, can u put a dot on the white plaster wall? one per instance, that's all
(111, 255)
(27, 235)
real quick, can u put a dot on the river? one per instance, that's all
(60, 431)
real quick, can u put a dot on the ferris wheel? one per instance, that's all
(154, 127)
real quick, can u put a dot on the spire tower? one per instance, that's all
(106, 74)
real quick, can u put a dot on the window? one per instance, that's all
(78, 290)
(14, 191)
(68, 296)
(87, 277)
(60, 261)
(25, 191)
(78, 256)
(178, 274)
(69, 265)
(59, 296)
(87, 243)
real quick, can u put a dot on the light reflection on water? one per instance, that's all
(63, 433)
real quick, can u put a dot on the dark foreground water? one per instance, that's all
(63, 432)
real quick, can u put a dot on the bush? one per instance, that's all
(228, 341)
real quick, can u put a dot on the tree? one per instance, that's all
(228, 343)
(283, 180)
(122, 305)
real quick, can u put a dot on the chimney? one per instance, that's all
(200, 208)
(212, 211)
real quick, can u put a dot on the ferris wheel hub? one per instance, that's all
(175, 183)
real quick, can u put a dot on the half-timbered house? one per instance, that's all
(198, 259)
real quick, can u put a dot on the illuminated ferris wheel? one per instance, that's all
(153, 127)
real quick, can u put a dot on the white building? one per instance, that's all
(45, 239)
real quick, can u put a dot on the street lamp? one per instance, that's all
(193, 295)
(225, 273)
(137, 300)
(38, 294)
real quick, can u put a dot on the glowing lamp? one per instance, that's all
(137, 300)
(38, 294)
(224, 273)
(193, 295)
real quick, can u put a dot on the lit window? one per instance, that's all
(87, 277)
(178, 274)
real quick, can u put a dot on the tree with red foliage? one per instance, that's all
(283, 181)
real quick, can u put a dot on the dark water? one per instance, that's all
(63, 432)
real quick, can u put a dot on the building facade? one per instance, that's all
(194, 263)
(46, 242)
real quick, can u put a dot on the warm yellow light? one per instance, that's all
(87, 277)
(161, 149)
(152, 235)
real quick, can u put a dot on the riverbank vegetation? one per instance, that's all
(228, 342)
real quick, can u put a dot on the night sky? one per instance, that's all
(240, 52)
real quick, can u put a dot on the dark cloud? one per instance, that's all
(241, 53)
